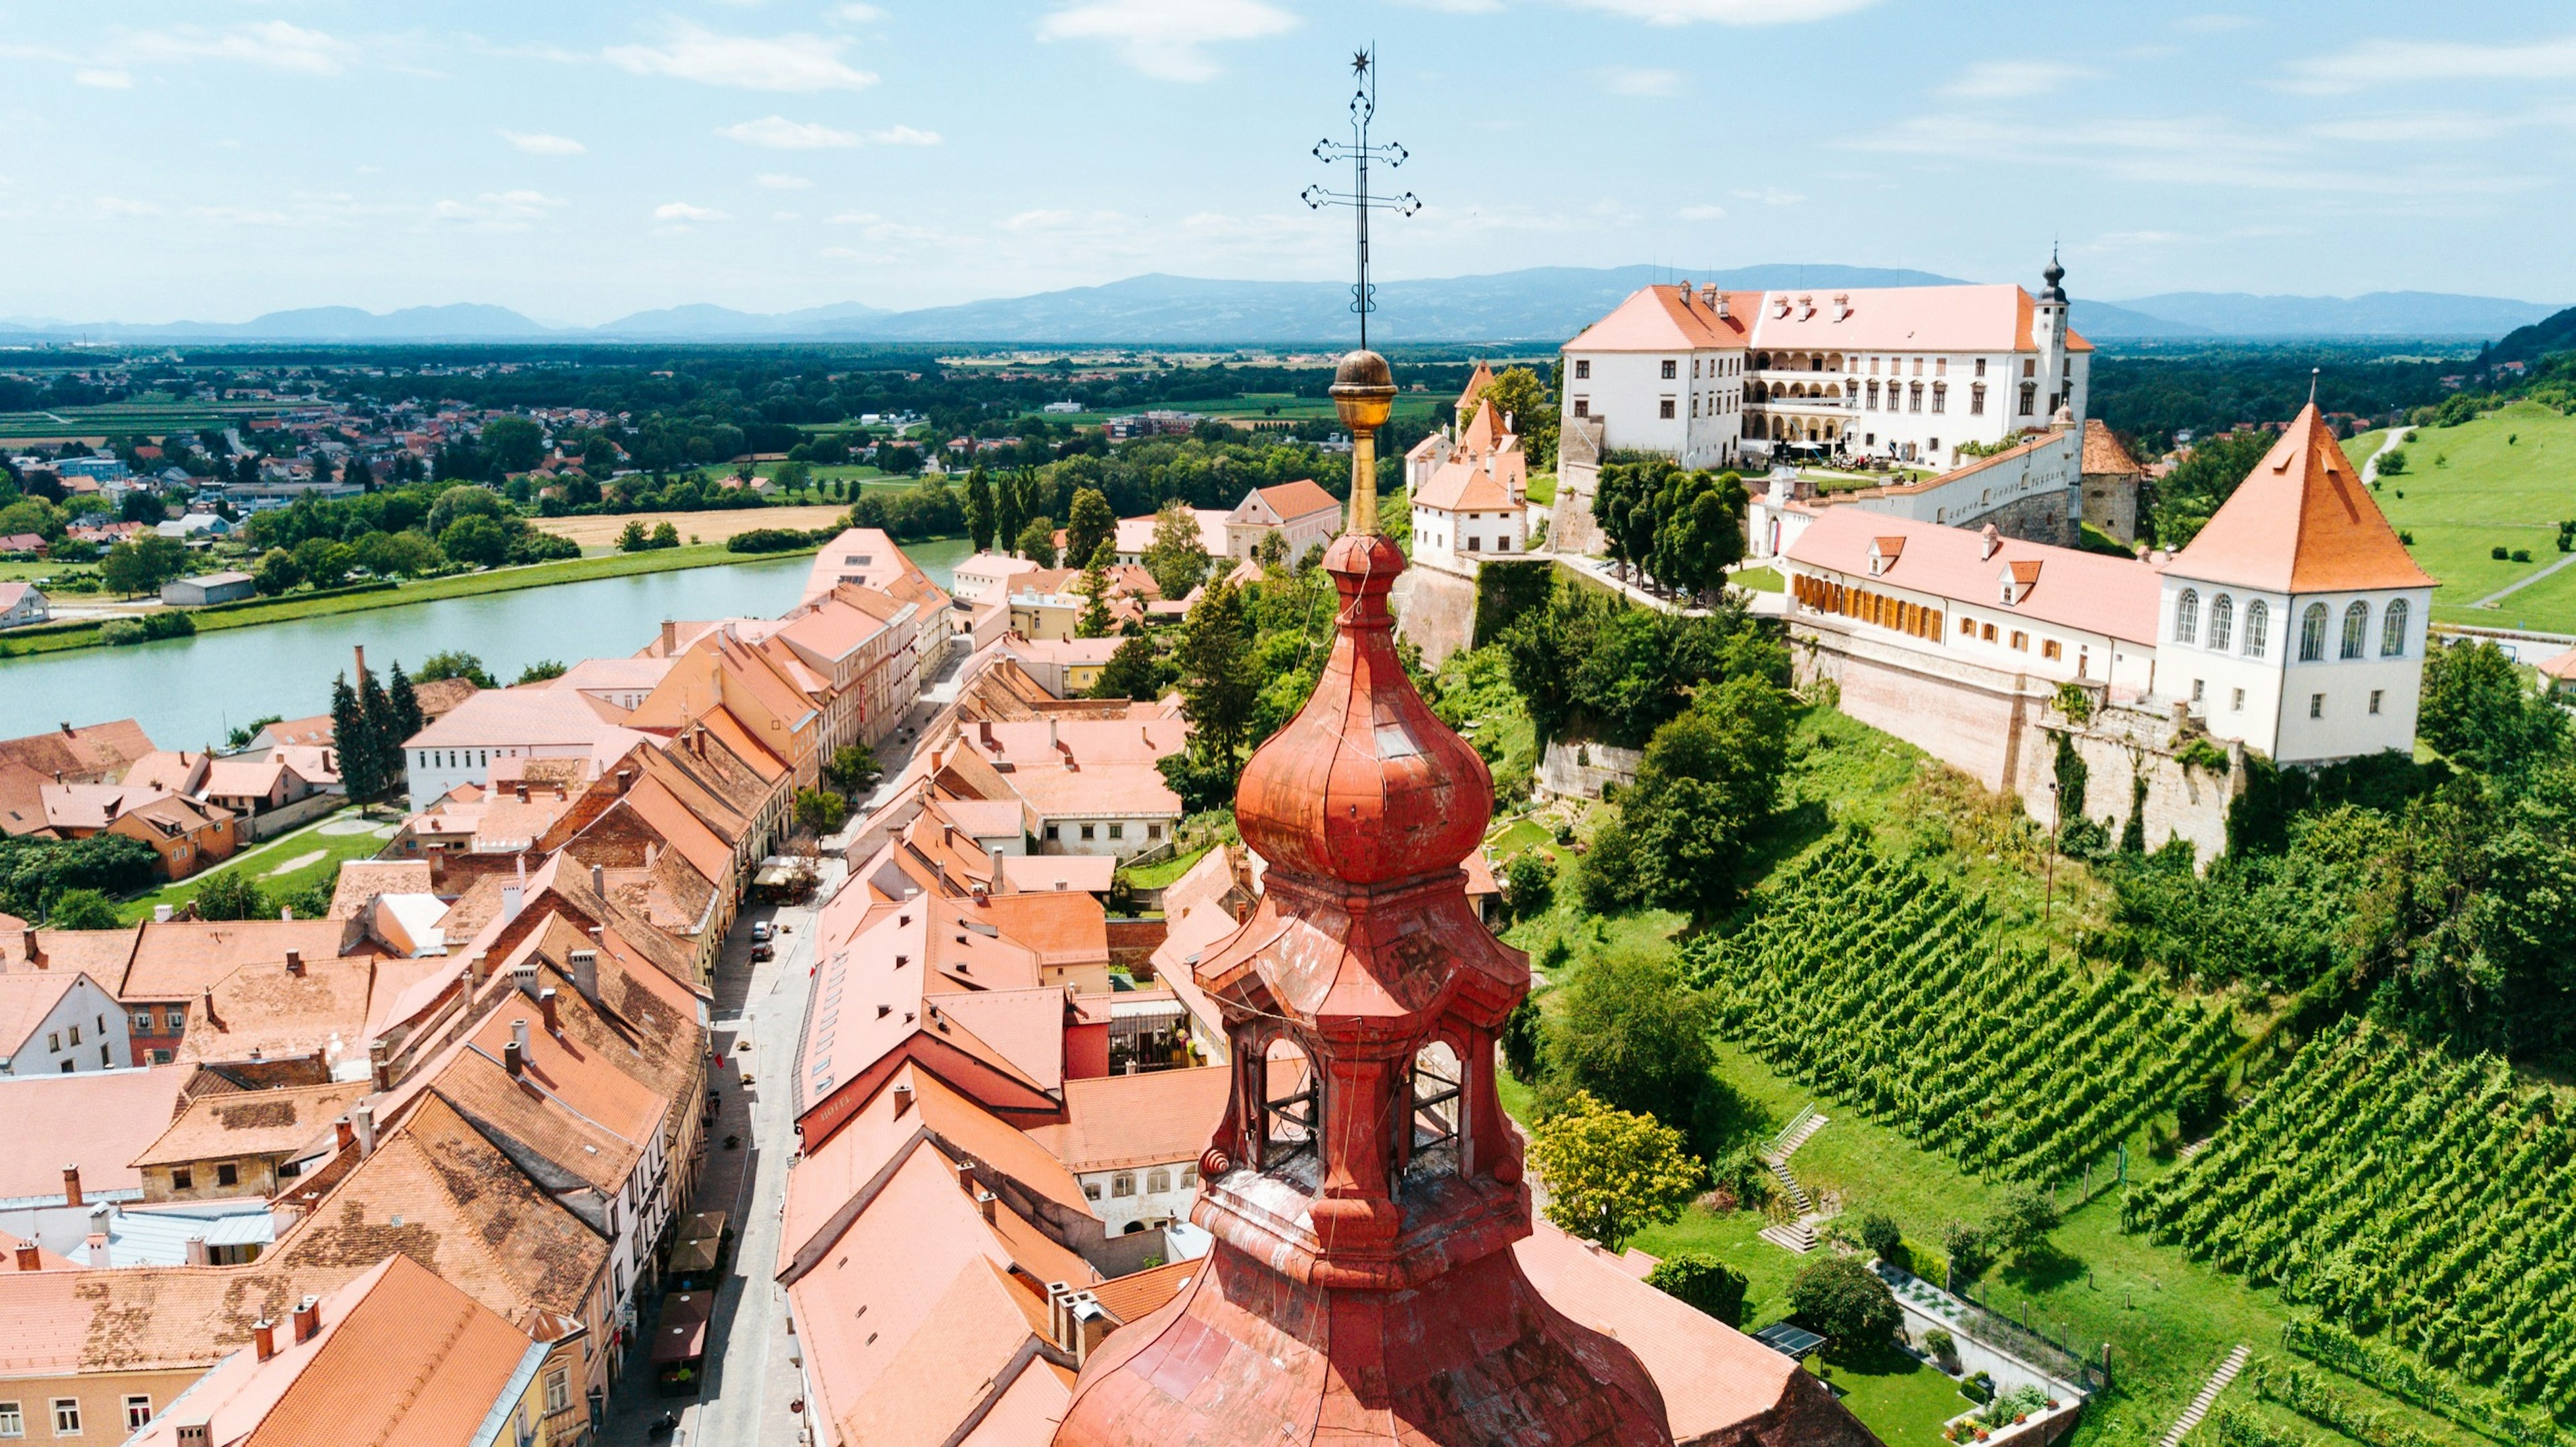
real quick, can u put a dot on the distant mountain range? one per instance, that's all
(1538, 304)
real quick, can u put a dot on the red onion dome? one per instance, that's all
(1366, 785)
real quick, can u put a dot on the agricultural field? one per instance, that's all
(1893, 991)
(2503, 480)
(599, 534)
(2420, 1204)
(120, 418)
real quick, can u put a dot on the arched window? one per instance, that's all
(1123, 1184)
(1158, 1181)
(2392, 630)
(2222, 622)
(2187, 617)
(1290, 1117)
(2356, 627)
(2258, 625)
(2312, 633)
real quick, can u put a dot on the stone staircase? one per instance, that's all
(1797, 1237)
(2208, 1397)
(1795, 1134)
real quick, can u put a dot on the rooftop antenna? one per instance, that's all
(1359, 151)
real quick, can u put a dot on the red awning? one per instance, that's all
(682, 1334)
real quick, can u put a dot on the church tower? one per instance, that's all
(1364, 1189)
(2048, 331)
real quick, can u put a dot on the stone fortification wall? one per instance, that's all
(2111, 503)
(1575, 768)
(2002, 730)
(1570, 528)
(1436, 610)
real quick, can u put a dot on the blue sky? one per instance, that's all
(219, 158)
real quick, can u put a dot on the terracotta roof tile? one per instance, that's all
(2116, 597)
(1153, 1118)
(98, 1120)
(253, 1123)
(2301, 522)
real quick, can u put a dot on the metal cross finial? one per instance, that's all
(1359, 151)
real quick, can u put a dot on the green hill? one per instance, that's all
(2505, 480)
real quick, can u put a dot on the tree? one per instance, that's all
(1611, 1173)
(277, 572)
(1709, 779)
(1135, 671)
(514, 443)
(1700, 1280)
(1634, 1035)
(403, 718)
(81, 909)
(1008, 514)
(454, 663)
(1879, 1233)
(852, 768)
(1220, 682)
(353, 736)
(2476, 710)
(981, 519)
(1036, 541)
(1523, 1037)
(325, 563)
(143, 505)
(1967, 1248)
(541, 670)
(1521, 397)
(820, 810)
(1089, 523)
(230, 894)
(462, 501)
(1176, 557)
(404, 554)
(664, 536)
(1529, 885)
(792, 476)
(1094, 622)
(632, 538)
(1843, 1301)
(478, 540)
(2180, 503)
(142, 564)
(2020, 1225)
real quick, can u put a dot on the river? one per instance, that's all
(189, 692)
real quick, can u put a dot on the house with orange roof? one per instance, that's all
(1134, 1142)
(396, 1355)
(1302, 513)
(530, 721)
(170, 965)
(1474, 502)
(59, 1022)
(1088, 786)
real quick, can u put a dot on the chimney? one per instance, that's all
(98, 1257)
(1988, 540)
(966, 1175)
(670, 644)
(308, 1319)
(523, 977)
(996, 856)
(1059, 1300)
(512, 896)
(161, 913)
(1051, 732)
(514, 1058)
(585, 974)
(193, 1432)
(437, 856)
(361, 651)
(546, 1007)
(599, 880)
(27, 947)
(902, 1099)
(478, 966)
(984, 1203)
(519, 1035)
(71, 1184)
(345, 1133)
(523, 791)
(295, 963)
(263, 1335)
(210, 1008)
(625, 780)
(1685, 290)
(29, 1258)
(362, 1119)
(198, 1255)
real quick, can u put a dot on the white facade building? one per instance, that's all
(1711, 378)
(1474, 501)
(52, 1024)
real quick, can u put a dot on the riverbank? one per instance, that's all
(460, 585)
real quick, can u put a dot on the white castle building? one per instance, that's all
(1716, 378)
(2293, 625)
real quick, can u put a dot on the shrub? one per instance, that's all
(1966, 1247)
(2522, 555)
(1879, 1234)
(1979, 1387)
(1609, 1172)
(1844, 1301)
(1529, 884)
(1702, 1281)
(767, 540)
(118, 632)
(2499, 554)
(1940, 1344)
(82, 909)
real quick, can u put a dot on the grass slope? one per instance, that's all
(2502, 480)
(261, 859)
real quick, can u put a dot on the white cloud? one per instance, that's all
(2410, 63)
(1633, 80)
(1168, 39)
(776, 182)
(538, 143)
(683, 211)
(1727, 12)
(104, 79)
(2011, 79)
(2423, 127)
(1772, 196)
(2201, 151)
(880, 228)
(795, 62)
(778, 133)
(274, 44)
(497, 210)
(1456, 7)
(902, 136)
(1037, 221)
(1703, 213)
(858, 14)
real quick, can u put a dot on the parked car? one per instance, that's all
(760, 930)
(761, 951)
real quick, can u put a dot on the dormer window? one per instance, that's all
(1883, 553)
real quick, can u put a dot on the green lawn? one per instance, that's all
(265, 863)
(1757, 580)
(1164, 874)
(2502, 480)
(1542, 488)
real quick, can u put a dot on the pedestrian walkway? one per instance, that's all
(2208, 1397)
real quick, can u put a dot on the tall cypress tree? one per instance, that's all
(979, 509)
(1008, 517)
(405, 718)
(361, 772)
(384, 731)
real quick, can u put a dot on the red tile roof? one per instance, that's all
(2301, 522)
(1154, 1118)
(2116, 597)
